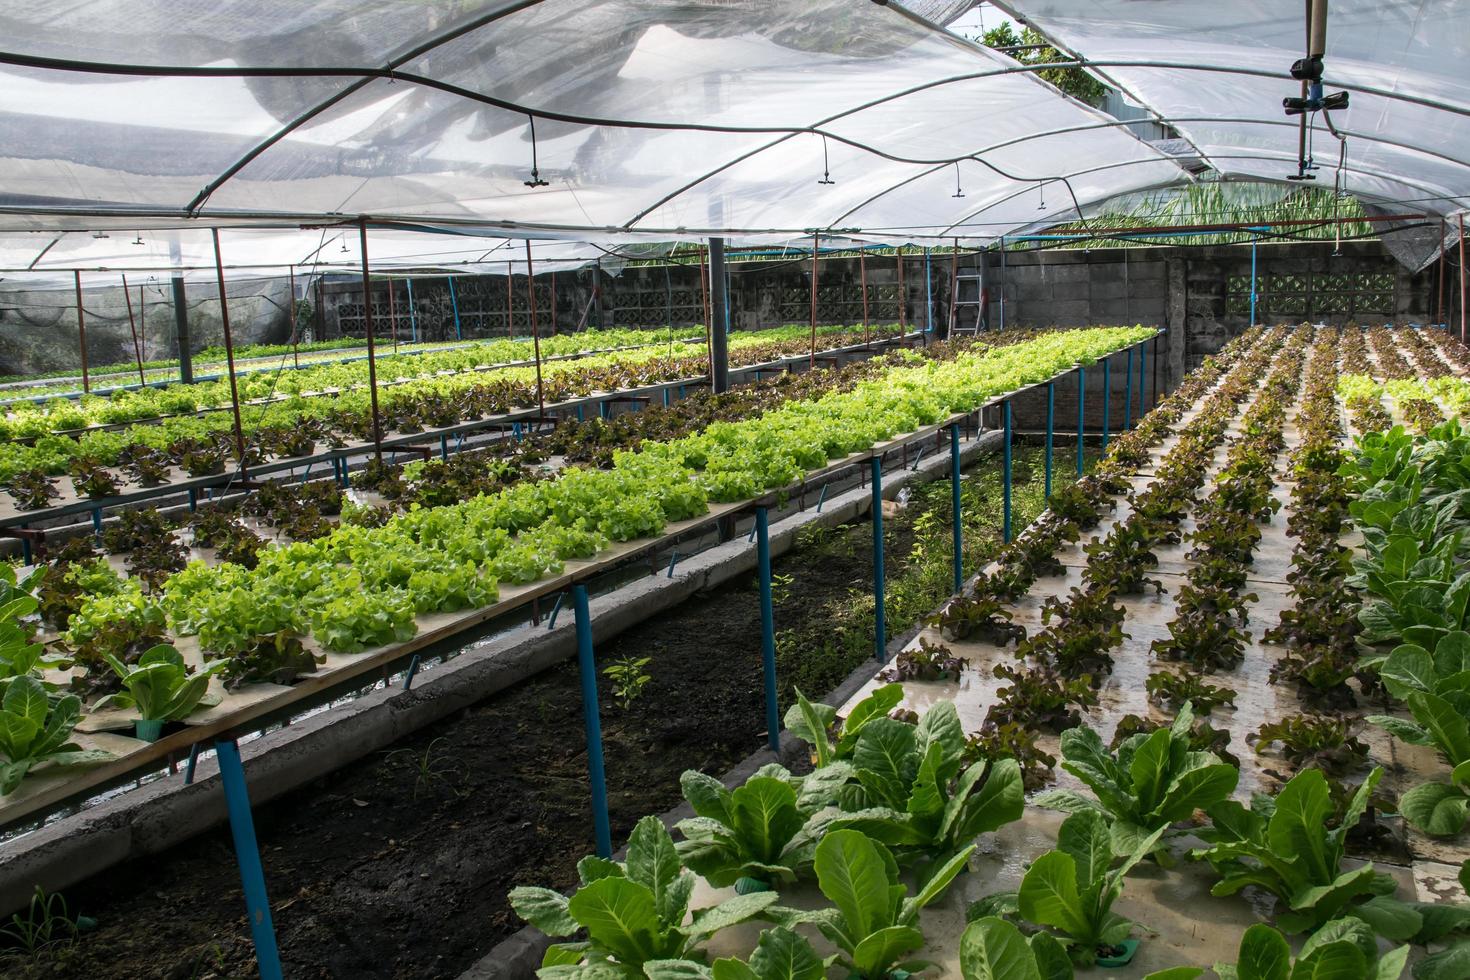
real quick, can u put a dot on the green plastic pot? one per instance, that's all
(148, 729)
(749, 886)
(1130, 946)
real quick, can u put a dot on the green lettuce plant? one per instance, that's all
(1150, 782)
(1283, 845)
(633, 911)
(34, 732)
(19, 657)
(913, 791)
(1072, 889)
(779, 954)
(814, 723)
(1437, 808)
(161, 687)
(874, 924)
(761, 830)
(1344, 949)
(992, 948)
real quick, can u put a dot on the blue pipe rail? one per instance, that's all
(592, 720)
(880, 627)
(454, 305)
(1051, 418)
(954, 491)
(1128, 395)
(247, 854)
(768, 627)
(1081, 401)
(1107, 396)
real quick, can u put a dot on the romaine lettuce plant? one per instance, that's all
(1072, 889)
(1283, 845)
(913, 792)
(633, 911)
(34, 732)
(760, 830)
(992, 948)
(814, 723)
(1440, 720)
(874, 923)
(1150, 782)
(1344, 948)
(161, 687)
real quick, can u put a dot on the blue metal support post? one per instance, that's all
(454, 305)
(247, 853)
(1128, 395)
(1006, 489)
(954, 491)
(1051, 418)
(880, 627)
(587, 663)
(1081, 398)
(1107, 399)
(768, 627)
(1142, 380)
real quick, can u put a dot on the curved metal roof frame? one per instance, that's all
(419, 202)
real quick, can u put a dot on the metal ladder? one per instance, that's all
(967, 304)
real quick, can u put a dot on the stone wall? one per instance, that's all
(38, 328)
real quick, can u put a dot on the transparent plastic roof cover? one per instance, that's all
(652, 118)
(1217, 72)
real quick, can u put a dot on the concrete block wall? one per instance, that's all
(1187, 290)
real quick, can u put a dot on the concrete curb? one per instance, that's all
(162, 814)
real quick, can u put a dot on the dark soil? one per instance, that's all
(398, 865)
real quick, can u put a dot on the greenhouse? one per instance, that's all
(734, 490)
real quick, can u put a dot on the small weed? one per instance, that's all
(46, 927)
(781, 588)
(429, 771)
(629, 677)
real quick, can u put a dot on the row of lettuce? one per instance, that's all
(358, 586)
(362, 587)
(292, 426)
(888, 820)
(165, 371)
(894, 793)
(130, 405)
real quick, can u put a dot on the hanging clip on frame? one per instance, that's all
(826, 169)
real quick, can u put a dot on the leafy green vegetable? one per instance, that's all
(633, 911)
(1072, 889)
(1283, 845)
(874, 924)
(813, 723)
(994, 949)
(1150, 782)
(161, 687)
(911, 791)
(760, 829)
(34, 732)
(1344, 949)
